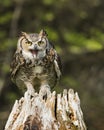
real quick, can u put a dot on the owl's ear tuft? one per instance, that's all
(23, 33)
(19, 34)
(43, 33)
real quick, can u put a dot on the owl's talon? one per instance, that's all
(31, 93)
(44, 92)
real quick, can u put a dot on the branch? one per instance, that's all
(58, 112)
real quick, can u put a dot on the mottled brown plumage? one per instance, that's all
(36, 63)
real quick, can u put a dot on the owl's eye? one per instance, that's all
(40, 43)
(28, 42)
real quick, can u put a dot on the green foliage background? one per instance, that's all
(76, 28)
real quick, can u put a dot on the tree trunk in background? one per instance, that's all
(57, 112)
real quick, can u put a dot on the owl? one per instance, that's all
(36, 64)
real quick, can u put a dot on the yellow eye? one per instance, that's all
(28, 42)
(40, 43)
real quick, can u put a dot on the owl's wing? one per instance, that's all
(57, 62)
(58, 65)
(17, 61)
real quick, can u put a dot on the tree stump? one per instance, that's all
(57, 112)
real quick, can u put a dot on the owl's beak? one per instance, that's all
(35, 48)
(34, 52)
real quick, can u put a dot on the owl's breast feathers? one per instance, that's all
(51, 59)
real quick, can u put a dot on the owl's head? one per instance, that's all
(33, 45)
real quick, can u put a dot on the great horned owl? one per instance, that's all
(36, 63)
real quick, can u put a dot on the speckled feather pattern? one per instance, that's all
(38, 71)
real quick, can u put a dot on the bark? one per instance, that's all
(57, 112)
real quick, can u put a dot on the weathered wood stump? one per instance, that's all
(58, 112)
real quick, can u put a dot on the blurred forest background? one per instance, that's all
(76, 28)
